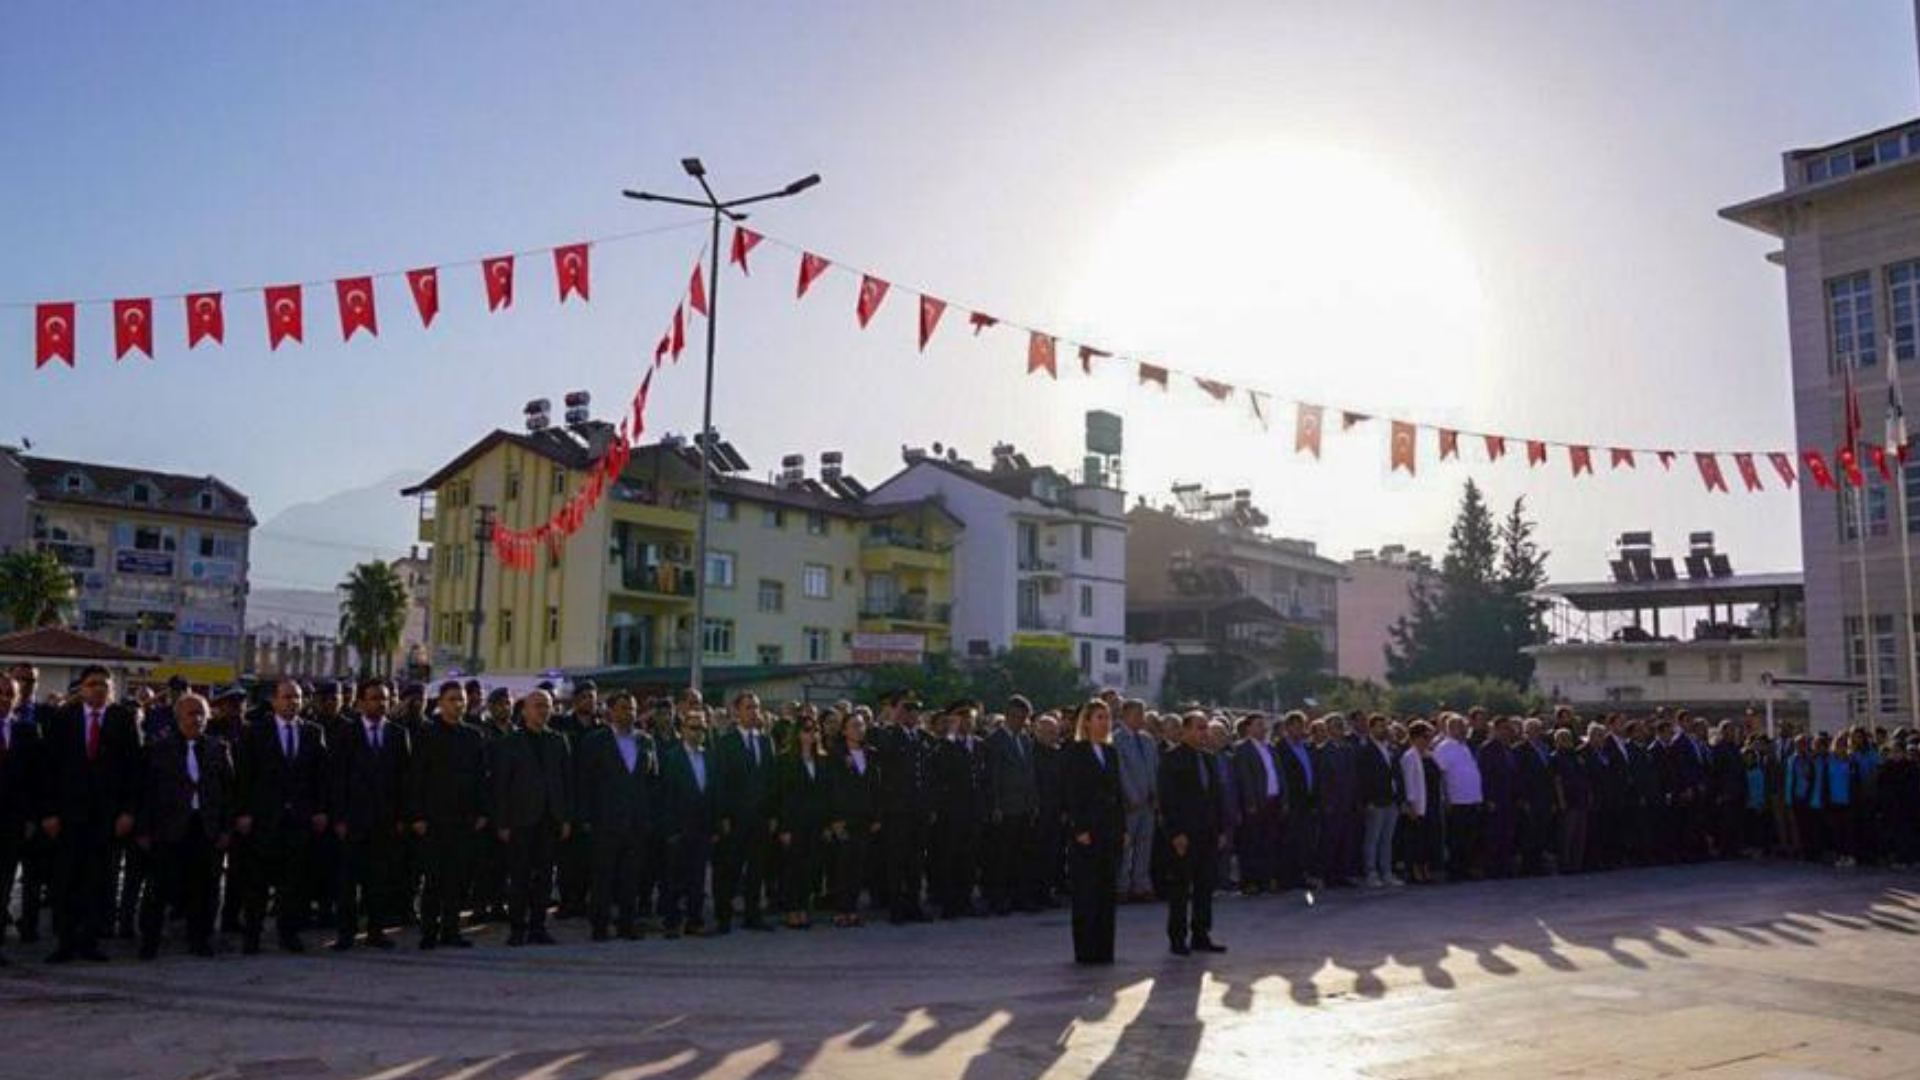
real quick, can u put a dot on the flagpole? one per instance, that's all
(1867, 650)
(1897, 445)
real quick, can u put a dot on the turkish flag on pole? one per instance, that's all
(873, 292)
(1306, 429)
(1749, 474)
(931, 308)
(356, 306)
(1878, 455)
(205, 318)
(570, 271)
(1710, 471)
(678, 344)
(1218, 391)
(640, 405)
(132, 327)
(811, 267)
(1783, 465)
(1536, 452)
(499, 274)
(52, 333)
(1817, 469)
(424, 284)
(1849, 460)
(1153, 373)
(1622, 458)
(1449, 444)
(1582, 459)
(1405, 447)
(283, 314)
(744, 241)
(697, 291)
(980, 320)
(1040, 354)
(1496, 447)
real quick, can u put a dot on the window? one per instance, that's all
(819, 644)
(1136, 672)
(720, 569)
(718, 639)
(1886, 663)
(1713, 667)
(1850, 322)
(1877, 504)
(1903, 309)
(559, 482)
(205, 501)
(513, 486)
(773, 595)
(1736, 667)
(142, 493)
(767, 655)
(1027, 540)
(816, 523)
(1086, 657)
(773, 517)
(723, 510)
(73, 482)
(506, 626)
(1656, 669)
(1086, 540)
(553, 624)
(1113, 656)
(152, 538)
(816, 581)
(1086, 601)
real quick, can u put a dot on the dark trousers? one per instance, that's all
(81, 878)
(489, 872)
(1257, 842)
(800, 870)
(324, 860)
(955, 866)
(617, 857)
(906, 841)
(1340, 844)
(1093, 867)
(1299, 841)
(447, 856)
(686, 893)
(184, 876)
(280, 862)
(573, 863)
(134, 871)
(12, 845)
(1463, 840)
(1537, 837)
(371, 874)
(1190, 881)
(1009, 877)
(530, 855)
(234, 869)
(1049, 857)
(740, 861)
(1497, 831)
(36, 870)
(849, 861)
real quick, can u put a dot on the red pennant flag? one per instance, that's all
(1749, 474)
(744, 241)
(1348, 419)
(1666, 459)
(1256, 399)
(283, 314)
(1449, 444)
(1306, 429)
(1536, 452)
(980, 320)
(873, 292)
(205, 318)
(678, 344)
(499, 275)
(356, 306)
(132, 327)
(1404, 447)
(1849, 460)
(1582, 459)
(1088, 354)
(52, 334)
(1710, 472)
(1040, 354)
(1153, 373)
(1783, 465)
(661, 350)
(570, 270)
(931, 308)
(425, 286)
(1878, 455)
(811, 267)
(1817, 470)
(1496, 447)
(1622, 459)
(697, 292)
(1218, 391)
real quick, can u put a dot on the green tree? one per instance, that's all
(1461, 692)
(35, 590)
(1048, 677)
(1523, 570)
(373, 611)
(1477, 614)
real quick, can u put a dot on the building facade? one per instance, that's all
(1375, 592)
(415, 570)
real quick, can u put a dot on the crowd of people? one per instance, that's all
(359, 808)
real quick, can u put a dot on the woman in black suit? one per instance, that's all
(800, 809)
(1096, 823)
(855, 824)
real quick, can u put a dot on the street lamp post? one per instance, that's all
(728, 209)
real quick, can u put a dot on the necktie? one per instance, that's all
(1202, 762)
(193, 761)
(373, 736)
(286, 739)
(93, 735)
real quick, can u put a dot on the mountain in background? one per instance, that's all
(309, 547)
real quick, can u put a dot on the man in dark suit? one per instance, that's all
(959, 797)
(368, 803)
(905, 755)
(449, 810)
(93, 761)
(1262, 784)
(690, 815)
(619, 772)
(532, 814)
(183, 822)
(1533, 796)
(745, 760)
(1190, 814)
(573, 859)
(280, 808)
(1499, 786)
(1383, 795)
(1300, 833)
(1014, 805)
(21, 775)
(490, 862)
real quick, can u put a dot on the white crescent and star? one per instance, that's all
(283, 310)
(205, 307)
(56, 326)
(356, 299)
(134, 317)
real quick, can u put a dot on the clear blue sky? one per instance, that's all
(1069, 164)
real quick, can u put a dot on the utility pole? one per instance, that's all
(719, 209)
(482, 536)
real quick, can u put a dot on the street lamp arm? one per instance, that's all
(648, 196)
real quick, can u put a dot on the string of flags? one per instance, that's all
(1405, 437)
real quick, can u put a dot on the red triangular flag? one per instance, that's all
(1536, 452)
(1306, 429)
(424, 283)
(744, 241)
(873, 292)
(570, 270)
(52, 333)
(355, 296)
(499, 275)
(1256, 400)
(1040, 355)
(132, 327)
(1710, 471)
(1622, 458)
(205, 318)
(1496, 446)
(661, 350)
(1849, 460)
(1749, 475)
(1582, 459)
(1218, 391)
(1666, 459)
(283, 314)
(1783, 465)
(1449, 444)
(1349, 419)
(1153, 373)
(678, 342)
(1878, 455)
(1817, 469)
(1404, 447)
(811, 267)
(931, 308)
(980, 320)
(1088, 354)
(697, 292)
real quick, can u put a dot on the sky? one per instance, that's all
(1496, 215)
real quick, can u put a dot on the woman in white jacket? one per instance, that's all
(1425, 794)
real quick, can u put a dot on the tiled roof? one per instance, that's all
(111, 485)
(553, 444)
(59, 643)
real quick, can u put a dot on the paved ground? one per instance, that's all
(1777, 972)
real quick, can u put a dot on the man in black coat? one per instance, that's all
(449, 811)
(744, 757)
(368, 797)
(1533, 796)
(183, 823)
(280, 811)
(1190, 815)
(532, 814)
(573, 859)
(690, 815)
(93, 777)
(1050, 814)
(1013, 800)
(905, 755)
(619, 771)
(21, 774)
(959, 800)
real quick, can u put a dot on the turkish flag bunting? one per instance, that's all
(570, 270)
(356, 306)
(1088, 354)
(1306, 429)
(1348, 419)
(1710, 472)
(1878, 455)
(811, 267)
(424, 284)
(1666, 458)
(931, 308)
(1536, 452)
(744, 241)
(1040, 355)
(661, 350)
(1449, 444)
(499, 275)
(205, 318)
(1749, 473)
(132, 327)
(1849, 460)
(1582, 459)
(283, 314)
(697, 292)
(1257, 401)
(52, 333)
(1153, 373)
(1783, 465)
(1622, 458)
(1219, 391)
(1817, 469)
(873, 292)
(678, 344)
(980, 320)
(1496, 447)
(1405, 446)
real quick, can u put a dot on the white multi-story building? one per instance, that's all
(1375, 593)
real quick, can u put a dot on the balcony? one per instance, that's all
(906, 609)
(653, 579)
(1041, 621)
(675, 512)
(1039, 567)
(903, 551)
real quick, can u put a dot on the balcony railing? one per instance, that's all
(910, 541)
(1033, 564)
(665, 579)
(1040, 620)
(907, 609)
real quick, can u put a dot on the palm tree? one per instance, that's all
(35, 590)
(373, 611)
